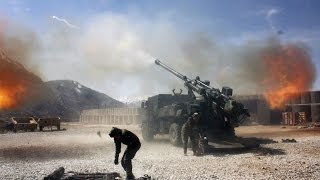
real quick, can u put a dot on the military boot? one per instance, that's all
(130, 176)
(195, 153)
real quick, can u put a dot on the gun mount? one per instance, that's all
(216, 99)
(166, 113)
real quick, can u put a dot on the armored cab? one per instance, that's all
(49, 122)
(165, 114)
(24, 123)
(219, 113)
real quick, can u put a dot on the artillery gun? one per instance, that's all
(166, 113)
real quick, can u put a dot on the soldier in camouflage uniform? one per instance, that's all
(133, 145)
(190, 130)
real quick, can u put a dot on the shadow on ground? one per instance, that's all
(50, 152)
(260, 151)
(249, 145)
(251, 140)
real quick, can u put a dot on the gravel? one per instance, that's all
(33, 155)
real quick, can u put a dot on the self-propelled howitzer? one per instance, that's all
(218, 110)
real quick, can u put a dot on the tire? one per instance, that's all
(58, 127)
(41, 128)
(147, 134)
(230, 132)
(175, 134)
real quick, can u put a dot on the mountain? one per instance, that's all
(64, 98)
(17, 85)
(23, 93)
(74, 97)
(134, 101)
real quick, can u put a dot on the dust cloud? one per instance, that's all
(115, 54)
(20, 44)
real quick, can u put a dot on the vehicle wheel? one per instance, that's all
(175, 134)
(147, 133)
(230, 131)
(41, 128)
(58, 127)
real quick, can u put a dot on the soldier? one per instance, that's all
(189, 130)
(133, 145)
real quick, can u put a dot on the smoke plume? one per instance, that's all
(115, 54)
(21, 44)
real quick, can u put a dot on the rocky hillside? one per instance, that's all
(17, 85)
(74, 97)
(22, 93)
(64, 98)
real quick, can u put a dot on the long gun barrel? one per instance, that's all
(195, 84)
(230, 106)
(179, 75)
(188, 82)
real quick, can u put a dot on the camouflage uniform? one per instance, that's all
(190, 130)
(133, 145)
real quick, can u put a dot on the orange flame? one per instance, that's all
(12, 85)
(289, 71)
(15, 83)
(8, 96)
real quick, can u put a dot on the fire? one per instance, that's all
(8, 96)
(15, 83)
(289, 70)
(12, 85)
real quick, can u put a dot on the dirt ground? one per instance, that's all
(32, 155)
(277, 131)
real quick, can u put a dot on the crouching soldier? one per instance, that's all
(189, 130)
(133, 145)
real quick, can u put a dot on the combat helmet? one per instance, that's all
(115, 131)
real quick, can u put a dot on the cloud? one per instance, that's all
(64, 21)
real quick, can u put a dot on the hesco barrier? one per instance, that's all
(305, 97)
(287, 118)
(294, 118)
(300, 102)
(306, 109)
(315, 113)
(296, 99)
(112, 116)
(305, 103)
(315, 97)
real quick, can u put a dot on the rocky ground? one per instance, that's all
(33, 155)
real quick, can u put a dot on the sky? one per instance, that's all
(107, 45)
